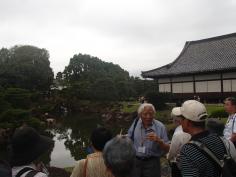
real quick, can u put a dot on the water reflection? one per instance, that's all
(61, 156)
(72, 135)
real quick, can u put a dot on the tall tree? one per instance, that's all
(86, 67)
(26, 67)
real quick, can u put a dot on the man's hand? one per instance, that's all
(153, 137)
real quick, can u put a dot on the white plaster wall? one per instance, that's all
(167, 88)
(227, 85)
(161, 87)
(177, 88)
(234, 85)
(164, 88)
(201, 86)
(214, 86)
(187, 87)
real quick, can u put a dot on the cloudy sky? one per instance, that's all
(138, 35)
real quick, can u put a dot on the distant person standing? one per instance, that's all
(230, 127)
(178, 140)
(150, 141)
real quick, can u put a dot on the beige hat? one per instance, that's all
(176, 112)
(194, 110)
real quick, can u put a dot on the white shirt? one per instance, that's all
(178, 140)
(15, 170)
(230, 126)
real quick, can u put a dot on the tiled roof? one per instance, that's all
(213, 54)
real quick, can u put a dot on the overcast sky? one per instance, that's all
(138, 35)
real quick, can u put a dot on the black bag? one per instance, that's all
(227, 164)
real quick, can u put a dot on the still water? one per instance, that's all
(72, 134)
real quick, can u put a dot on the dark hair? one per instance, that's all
(100, 136)
(232, 100)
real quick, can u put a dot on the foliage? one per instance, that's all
(25, 67)
(88, 77)
(159, 100)
(18, 98)
(104, 89)
(218, 113)
(86, 67)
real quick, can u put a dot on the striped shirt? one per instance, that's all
(194, 163)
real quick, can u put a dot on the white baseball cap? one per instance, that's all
(176, 112)
(194, 110)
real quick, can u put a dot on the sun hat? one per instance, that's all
(194, 110)
(27, 145)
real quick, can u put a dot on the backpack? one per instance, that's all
(227, 164)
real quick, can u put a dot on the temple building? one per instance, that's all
(205, 68)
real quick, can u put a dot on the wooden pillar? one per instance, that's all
(194, 85)
(222, 87)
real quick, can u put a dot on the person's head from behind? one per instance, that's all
(27, 146)
(119, 156)
(146, 112)
(194, 115)
(176, 116)
(230, 105)
(99, 137)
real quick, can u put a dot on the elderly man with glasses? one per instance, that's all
(150, 141)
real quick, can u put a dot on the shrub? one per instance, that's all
(219, 113)
(159, 100)
(18, 98)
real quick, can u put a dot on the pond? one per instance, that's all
(72, 134)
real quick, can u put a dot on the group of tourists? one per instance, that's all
(197, 147)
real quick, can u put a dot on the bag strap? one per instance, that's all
(24, 170)
(85, 167)
(234, 117)
(135, 124)
(227, 148)
(203, 147)
(31, 173)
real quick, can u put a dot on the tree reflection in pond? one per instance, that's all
(75, 133)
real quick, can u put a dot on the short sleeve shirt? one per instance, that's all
(230, 126)
(151, 148)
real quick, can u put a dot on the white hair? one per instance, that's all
(144, 105)
(119, 156)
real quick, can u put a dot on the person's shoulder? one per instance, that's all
(186, 148)
(182, 135)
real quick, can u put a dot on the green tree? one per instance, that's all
(18, 98)
(25, 67)
(104, 90)
(86, 67)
